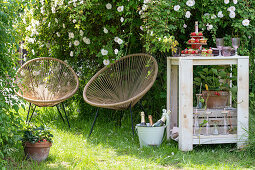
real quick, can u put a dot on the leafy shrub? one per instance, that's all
(10, 122)
(37, 134)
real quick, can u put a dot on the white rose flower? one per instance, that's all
(108, 6)
(61, 2)
(235, 1)
(120, 41)
(120, 8)
(220, 15)
(104, 52)
(28, 28)
(190, 3)
(121, 19)
(232, 8)
(209, 27)
(226, 1)
(76, 43)
(58, 34)
(71, 35)
(74, 21)
(246, 22)
(86, 40)
(105, 30)
(64, 26)
(144, 7)
(116, 51)
(184, 26)
(106, 62)
(187, 15)
(71, 53)
(53, 9)
(176, 7)
(213, 16)
(232, 14)
(42, 10)
(31, 40)
(116, 39)
(81, 32)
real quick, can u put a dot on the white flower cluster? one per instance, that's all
(188, 14)
(220, 14)
(246, 22)
(120, 8)
(118, 40)
(190, 3)
(86, 40)
(176, 7)
(209, 26)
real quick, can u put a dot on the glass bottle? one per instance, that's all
(143, 123)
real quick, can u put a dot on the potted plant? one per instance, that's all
(37, 142)
(215, 81)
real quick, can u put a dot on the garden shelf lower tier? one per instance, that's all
(180, 102)
(222, 121)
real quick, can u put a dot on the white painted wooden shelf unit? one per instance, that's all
(180, 100)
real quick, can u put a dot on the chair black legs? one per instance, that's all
(94, 122)
(63, 107)
(65, 114)
(120, 121)
(28, 120)
(131, 119)
(28, 112)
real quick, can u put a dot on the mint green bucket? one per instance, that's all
(150, 136)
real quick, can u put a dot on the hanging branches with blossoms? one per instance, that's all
(217, 18)
(78, 30)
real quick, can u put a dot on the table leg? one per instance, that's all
(168, 94)
(186, 105)
(242, 102)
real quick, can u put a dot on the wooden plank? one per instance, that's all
(215, 139)
(242, 102)
(208, 58)
(174, 96)
(186, 105)
(168, 96)
(215, 62)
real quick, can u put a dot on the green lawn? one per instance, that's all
(112, 147)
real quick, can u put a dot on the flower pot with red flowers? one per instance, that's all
(37, 142)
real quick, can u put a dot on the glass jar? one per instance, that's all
(226, 51)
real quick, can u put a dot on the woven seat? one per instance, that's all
(46, 82)
(122, 84)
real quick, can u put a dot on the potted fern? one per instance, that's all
(37, 142)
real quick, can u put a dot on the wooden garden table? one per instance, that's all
(180, 102)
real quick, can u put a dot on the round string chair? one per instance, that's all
(122, 84)
(46, 82)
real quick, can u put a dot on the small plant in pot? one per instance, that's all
(37, 142)
(216, 84)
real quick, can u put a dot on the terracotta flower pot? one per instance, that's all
(216, 99)
(37, 151)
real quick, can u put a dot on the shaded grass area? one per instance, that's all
(113, 147)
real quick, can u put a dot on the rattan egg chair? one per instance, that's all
(122, 84)
(46, 82)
